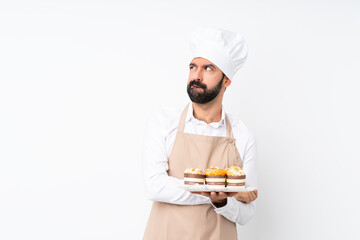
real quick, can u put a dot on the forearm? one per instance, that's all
(164, 188)
(158, 184)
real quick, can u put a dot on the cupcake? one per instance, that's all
(193, 176)
(216, 177)
(235, 177)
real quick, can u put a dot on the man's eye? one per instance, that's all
(208, 68)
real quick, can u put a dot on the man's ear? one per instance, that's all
(227, 81)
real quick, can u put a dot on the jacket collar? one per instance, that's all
(190, 117)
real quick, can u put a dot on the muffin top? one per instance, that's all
(194, 171)
(234, 171)
(215, 171)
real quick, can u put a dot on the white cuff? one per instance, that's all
(228, 208)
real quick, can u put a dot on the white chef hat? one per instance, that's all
(227, 50)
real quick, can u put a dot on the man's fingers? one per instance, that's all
(218, 195)
(255, 194)
(222, 194)
(231, 194)
(251, 196)
(206, 194)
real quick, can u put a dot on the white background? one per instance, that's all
(78, 80)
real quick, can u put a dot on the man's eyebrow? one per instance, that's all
(209, 65)
(205, 66)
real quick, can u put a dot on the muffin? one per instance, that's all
(216, 177)
(193, 176)
(235, 177)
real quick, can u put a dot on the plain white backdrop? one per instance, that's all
(78, 80)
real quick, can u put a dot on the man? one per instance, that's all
(200, 136)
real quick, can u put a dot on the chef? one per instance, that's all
(201, 135)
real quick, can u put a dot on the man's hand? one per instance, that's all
(219, 199)
(246, 197)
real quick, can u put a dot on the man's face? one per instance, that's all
(205, 81)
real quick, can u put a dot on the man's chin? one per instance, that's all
(196, 99)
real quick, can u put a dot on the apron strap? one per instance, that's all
(228, 127)
(183, 117)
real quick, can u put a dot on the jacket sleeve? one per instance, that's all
(158, 184)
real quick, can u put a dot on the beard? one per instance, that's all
(206, 95)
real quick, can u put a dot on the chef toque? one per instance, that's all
(227, 50)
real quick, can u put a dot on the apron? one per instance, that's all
(196, 222)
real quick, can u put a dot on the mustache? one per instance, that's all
(197, 83)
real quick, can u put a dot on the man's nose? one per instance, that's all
(198, 75)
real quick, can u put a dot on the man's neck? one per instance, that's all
(208, 112)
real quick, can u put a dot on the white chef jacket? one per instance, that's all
(158, 141)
